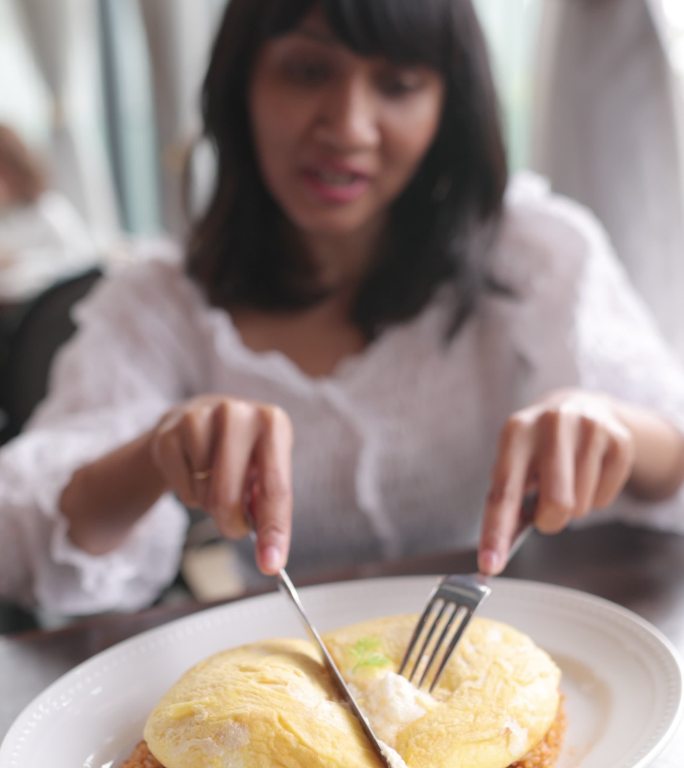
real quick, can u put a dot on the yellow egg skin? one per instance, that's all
(244, 706)
(497, 679)
(273, 703)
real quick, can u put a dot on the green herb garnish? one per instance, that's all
(367, 653)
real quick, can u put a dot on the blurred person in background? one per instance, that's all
(376, 344)
(42, 235)
(22, 180)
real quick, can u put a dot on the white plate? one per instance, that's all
(621, 677)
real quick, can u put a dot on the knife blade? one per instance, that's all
(288, 588)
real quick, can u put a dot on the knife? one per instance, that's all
(288, 588)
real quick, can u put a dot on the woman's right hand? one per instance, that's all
(231, 458)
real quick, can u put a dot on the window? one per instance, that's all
(23, 101)
(511, 27)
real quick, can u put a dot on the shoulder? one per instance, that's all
(148, 279)
(556, 264)
(150, 271)
(546, 235)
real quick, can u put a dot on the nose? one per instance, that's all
(348, 117)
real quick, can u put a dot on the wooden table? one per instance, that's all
(642, 570)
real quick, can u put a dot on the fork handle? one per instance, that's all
(520, 538)
(524, 526)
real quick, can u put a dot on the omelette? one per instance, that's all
(273, 703)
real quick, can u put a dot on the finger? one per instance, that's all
(272, 500)
(236, 427)
(615, 470)
(555, 460)
(171, 460)
(588, 466)
(195, 432)
(509, 481)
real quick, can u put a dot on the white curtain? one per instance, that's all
(179, 35)
(62, 37)
(607, 135)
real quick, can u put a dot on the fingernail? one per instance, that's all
(490, 561)
(271, 558)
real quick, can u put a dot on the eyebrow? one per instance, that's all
(316, 34)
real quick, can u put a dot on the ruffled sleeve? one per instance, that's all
(579, 321)
(129, 361)
(621, 351)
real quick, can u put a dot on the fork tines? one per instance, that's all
(445, 617)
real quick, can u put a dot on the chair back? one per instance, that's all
(42, 328)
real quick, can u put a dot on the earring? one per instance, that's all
(441, 188)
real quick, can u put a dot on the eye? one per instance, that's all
(397, 82)
(306, 70)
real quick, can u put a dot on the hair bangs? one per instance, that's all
(407, 31)
(278, 18)
(410, 31)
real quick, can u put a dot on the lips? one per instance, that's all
(335, 184)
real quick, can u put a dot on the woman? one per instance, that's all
(361, 281)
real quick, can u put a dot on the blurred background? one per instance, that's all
(105, 93)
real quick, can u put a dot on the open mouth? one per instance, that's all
(337, 179)
(336, 186)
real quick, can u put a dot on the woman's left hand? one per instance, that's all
(572, 450)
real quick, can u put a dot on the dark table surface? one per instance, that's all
(640, 569)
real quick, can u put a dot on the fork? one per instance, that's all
(456, 596)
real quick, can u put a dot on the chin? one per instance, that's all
(332, 225)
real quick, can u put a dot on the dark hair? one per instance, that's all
(20, 167)
(443, 221)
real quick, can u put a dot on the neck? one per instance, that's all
(341, 263)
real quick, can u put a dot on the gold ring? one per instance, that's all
(201, 474)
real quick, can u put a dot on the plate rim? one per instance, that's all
(50, 699)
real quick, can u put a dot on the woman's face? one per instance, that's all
(338, 136)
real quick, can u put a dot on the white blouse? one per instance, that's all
(393, 451)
